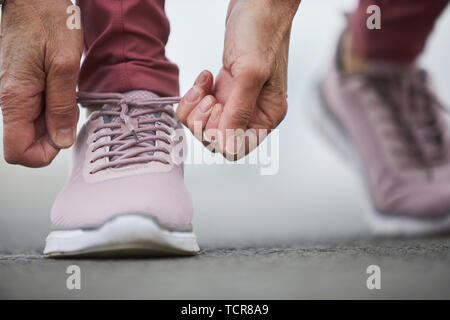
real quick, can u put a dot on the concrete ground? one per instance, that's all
(299, 233)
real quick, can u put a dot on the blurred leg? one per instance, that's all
(125, 47)
(405, 26)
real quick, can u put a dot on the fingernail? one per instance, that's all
(215, 113)
(202, 78)
(65, 137)
(205, 105)
(193, 94)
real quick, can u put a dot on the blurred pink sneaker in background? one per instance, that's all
(125, 195)
(388, 118)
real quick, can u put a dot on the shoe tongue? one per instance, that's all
(131, 95)
(140, 95)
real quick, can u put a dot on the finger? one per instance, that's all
(25, 139)
(61, 107)
(214, 118)
(202, 86)
(199, 116)
(211, 134)
(205, 80)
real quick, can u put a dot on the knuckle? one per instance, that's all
(45, 160)
(10, 158)
(8, 92)
(66, 64)
(62, 110)
(14, 157)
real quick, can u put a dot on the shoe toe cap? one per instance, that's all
(162, 196)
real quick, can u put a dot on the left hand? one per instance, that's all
(251, 87)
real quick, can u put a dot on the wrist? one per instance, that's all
(280, 13)
(289, 7)
(284, 10)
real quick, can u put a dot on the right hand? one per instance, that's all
(40, 61)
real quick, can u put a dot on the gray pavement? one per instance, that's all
(409, 270)
(300, 233)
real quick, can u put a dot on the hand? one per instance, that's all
(250, 90)
(40, 60)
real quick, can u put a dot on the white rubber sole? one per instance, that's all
(123, 236)
(380, 224)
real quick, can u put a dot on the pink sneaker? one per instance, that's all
(125, 194)
(390, 120)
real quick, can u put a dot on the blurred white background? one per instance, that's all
(313, 196)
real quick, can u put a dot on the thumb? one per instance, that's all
(61, 108)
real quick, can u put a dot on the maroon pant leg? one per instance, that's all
(405, 26)
(125, 47)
